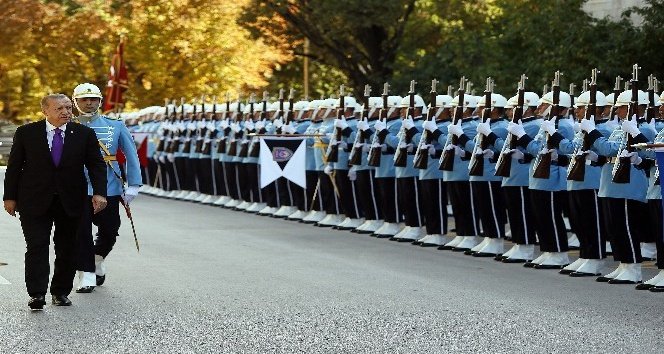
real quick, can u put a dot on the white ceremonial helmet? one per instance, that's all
(625, 98)
(351, 102)
(86, 90)
(530, 99)
(419, 102)
(375, 103)
(584, 99)
(661, 98)
(564, 101)
(497, 100)
(444, 101)
(512, 102)
(300, 107)
(393, 103)
(469, 101)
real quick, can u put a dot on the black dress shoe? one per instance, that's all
(384, 236)
(468, 252)
(457, 249)
(603, 279)
(417, 243)
(530, 264)
(657, 289)
(37, 303)
(499, 258)
(427, 244)
(619, 281)
(514, 260)
(483, 254)
(644, 286)
(566, 271)
(60, 300)
(101, 279)
(85, 289)
(445, 248)
(582, 274)
(405, 240)
(550, 266)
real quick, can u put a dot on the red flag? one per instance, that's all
(117, 80)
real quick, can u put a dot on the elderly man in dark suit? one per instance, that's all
(45, 183)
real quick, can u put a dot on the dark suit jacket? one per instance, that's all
(32, 179)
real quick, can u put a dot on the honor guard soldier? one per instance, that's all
(365, 175)
(412, 108)
(516, 175)
(434, 189)
(389, 123)
(113, 135)
(623, 200)
(546, 190)
(586, 216)
(459, 148)
(302, 116)
(491, 134)
(328, 187)
(313, 165)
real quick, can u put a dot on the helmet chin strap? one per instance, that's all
(87, 115)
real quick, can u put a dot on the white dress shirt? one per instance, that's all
(50, 132)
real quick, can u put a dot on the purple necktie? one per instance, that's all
(56, 146)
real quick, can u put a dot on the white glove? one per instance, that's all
(430, 125)
(341, 123)
(590, 155)
(259, 125)
(327, 169)
(516, 129)
(455, 129)
(408, 123)
(288, 129)
(352, 174)
(362, 125)
(380, 125)
(235, 127)
(517, 154)
(612, 124)
(588, 125)
(278, 123)
(484, 128)
(409, 148)
(634, 157)
(130, 193)
(577, 127)
(548, 126)
(224, 124)
(162, 159)
(631, 127)
(431, 149)
(171, 157)
(457, 150)
(249, 125)
(488, 153)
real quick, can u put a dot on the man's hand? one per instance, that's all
(130, 193)
(10, 207)
(98, 203)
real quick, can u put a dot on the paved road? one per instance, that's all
(210, 280)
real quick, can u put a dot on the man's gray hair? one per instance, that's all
(46, 100)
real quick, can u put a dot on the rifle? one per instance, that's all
(244, 143)
(207, 143)
(175, 143)
(376, 151)
(355, 157)
(401, 154)
(254, 150)
(190, 132)
(232, 147)
(577, 166)
(504, 163)
(652, 109)
(165, 132)
(332, 154)
(201, 132)
(622, 168)
(421, 158)
(289, 113)
(446, 162)
(476, 165)
(572, 88)
(542, 167)
(221, 144)
(655, 88)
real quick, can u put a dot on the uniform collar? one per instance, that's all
(50, 127)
